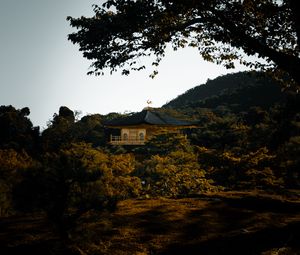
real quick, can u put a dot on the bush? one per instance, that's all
(12, 164)
(175, 174)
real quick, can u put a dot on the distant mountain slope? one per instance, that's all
(238, 91)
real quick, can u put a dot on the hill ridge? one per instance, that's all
(240, 90)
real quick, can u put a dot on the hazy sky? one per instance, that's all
(41, 69)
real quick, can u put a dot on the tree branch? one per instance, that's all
(286, 62)
(295, 8)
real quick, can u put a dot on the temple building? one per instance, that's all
(139, 127)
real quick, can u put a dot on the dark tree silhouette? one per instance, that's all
(121, 31)
(16, 130)
(59, 132)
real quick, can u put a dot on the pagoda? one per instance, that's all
(137, 128)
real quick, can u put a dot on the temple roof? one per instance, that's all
(149, 117)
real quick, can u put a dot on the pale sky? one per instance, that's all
(41, 69)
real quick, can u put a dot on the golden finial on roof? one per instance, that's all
(149, 102)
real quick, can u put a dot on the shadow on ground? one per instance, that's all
(207, 225)
(270, 238)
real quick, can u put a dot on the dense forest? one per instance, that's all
(247, 138)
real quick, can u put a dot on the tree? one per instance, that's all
(12, 164)
(59, 132)
(16, 130)
(122, 31)
(90, 129)
(65, 186)
(174, 174)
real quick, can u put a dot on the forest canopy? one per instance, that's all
(71, 176)
(224, 32)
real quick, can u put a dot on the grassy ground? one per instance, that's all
(223, 223)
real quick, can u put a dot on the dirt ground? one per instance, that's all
(223, 223)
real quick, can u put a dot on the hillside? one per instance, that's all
(238, 91)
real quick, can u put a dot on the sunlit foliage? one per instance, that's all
(12, 164)
(175, 174)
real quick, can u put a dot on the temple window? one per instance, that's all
(142, 136)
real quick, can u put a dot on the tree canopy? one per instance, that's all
(122, 31)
